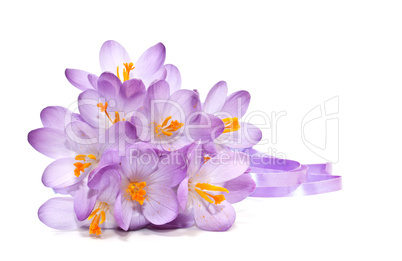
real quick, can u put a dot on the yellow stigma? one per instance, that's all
(126, 71)
(216, 199)
(79, 166)
(103, 108)
(99, 216)
(135, 191)
(168, 129)
(231, 124)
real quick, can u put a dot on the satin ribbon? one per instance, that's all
(276, 177)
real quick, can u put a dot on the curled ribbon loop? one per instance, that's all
(276, 177)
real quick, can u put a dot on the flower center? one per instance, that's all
(99, 216)
(135, 191)
(79, 166)
(216, 199)
(168, 129)
(231, 124)
(126, 71)
(103, 108)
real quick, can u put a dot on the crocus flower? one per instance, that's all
(114, 58)
(112, 102)
(78, 150)
(230, 109)
(211, 187)
(144, 152)
(59, 212)
(146, 194)
(171, 122)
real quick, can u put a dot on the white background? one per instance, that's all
(290, 55)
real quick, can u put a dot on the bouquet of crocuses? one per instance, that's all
(140, 151)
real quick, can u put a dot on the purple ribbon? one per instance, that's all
(276, 177)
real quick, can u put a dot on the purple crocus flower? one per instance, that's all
(146, 194)
(171, 122)
(59, 212)
(114, 58)
(112, 102)
(209, 189)
(230, 109)
(78, 150)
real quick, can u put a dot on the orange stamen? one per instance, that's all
(135, 191)
(204, 195)
(206, 158)
(103, 108)
(217, 199)
(231, 124)
(80, 167)
(99, 216)
(117, 117)
(80, 157)
(209, 187)
(93, 213)
(126, 71)
(94, 228)
(166, 121)
(103, 217)
(91, 156)
(168, 129)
